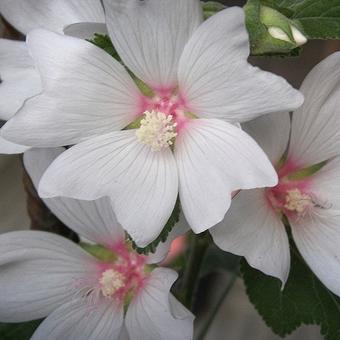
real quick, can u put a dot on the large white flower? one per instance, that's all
(187, 139)
(45, 275)
(253, 227)
(19, 78)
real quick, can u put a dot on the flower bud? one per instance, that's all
(280, 27)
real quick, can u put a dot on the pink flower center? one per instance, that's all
(162, 118)
(120, 280)
(291, 197)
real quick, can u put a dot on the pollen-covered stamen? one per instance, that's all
(111, 281)
(157, 130)
(297, 201)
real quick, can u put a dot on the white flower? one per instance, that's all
(253, 227)
(45, 275)
(19, 78)
(201, 81)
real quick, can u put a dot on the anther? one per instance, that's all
(157, 130)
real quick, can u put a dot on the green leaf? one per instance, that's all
(317, 19)
(151, 248)
(304, 300)
(18, 331)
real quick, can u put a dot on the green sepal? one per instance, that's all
(304, 299)
(144, 88)
(211, 7)
(306, 172)
(99, 252)
(152, 247)
(135, 124)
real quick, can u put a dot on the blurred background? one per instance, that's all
(237, 320)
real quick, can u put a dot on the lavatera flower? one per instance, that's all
(142, 150)
(19, 80)
(307, 192)
(122, 296)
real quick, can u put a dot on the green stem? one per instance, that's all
(197, 249)
(216, 308)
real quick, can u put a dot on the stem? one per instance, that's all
(217, 307)
(197, 249)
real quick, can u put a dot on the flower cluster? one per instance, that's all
(111, 146)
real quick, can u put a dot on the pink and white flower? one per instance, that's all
(83, 297)
(307, 192)
(45, 275)
(186, 138)
(19, 78)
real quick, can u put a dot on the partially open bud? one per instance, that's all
(282, 35)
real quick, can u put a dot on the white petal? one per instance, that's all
(86, 93)
(150, 35)
(271, 132)
(14, 54)
(141, 183)
(26, 15)
(37, 161)
(124, 334)
(252, 229)
(316, 125)
(215, 158)
(10, 148)
(18, 78)
(216, 79)
(39, 272)
(155, 314)
(180, 228)
(325, 185)
(317, 238)
(94, 220)
(85, 30)
(78, 319)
